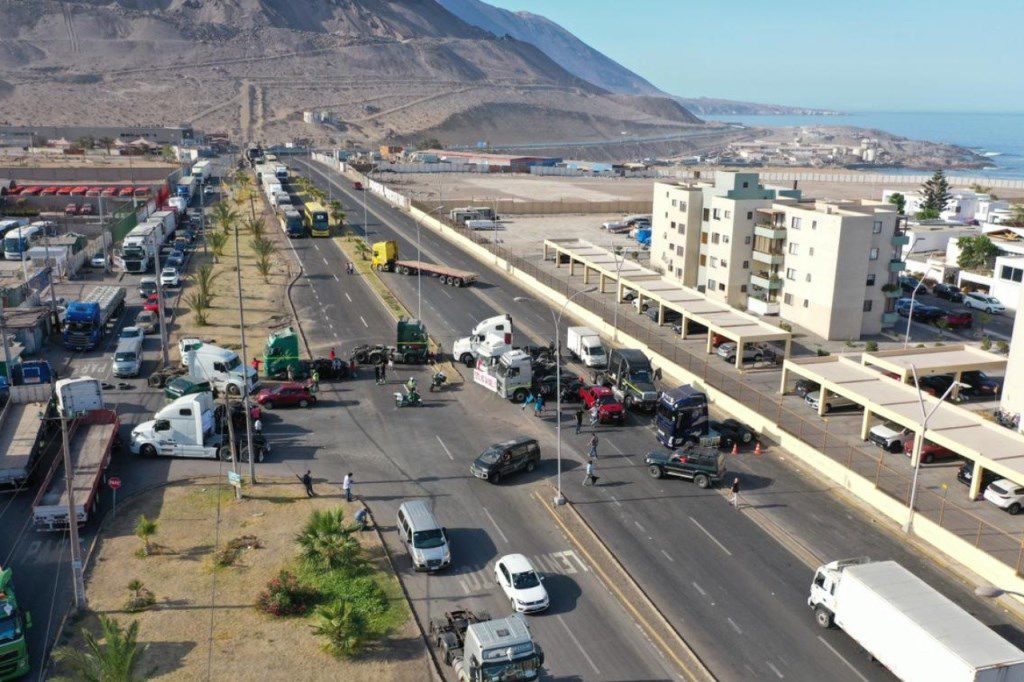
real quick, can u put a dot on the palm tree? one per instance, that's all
(217, 241)
(223, 216)
(198, 305)
(327, 542)
(337, 213)
(113, 661)
(256, 226)
(264, 264)
(343, 626)
(145, 529)
(204, 278)
(262, 246)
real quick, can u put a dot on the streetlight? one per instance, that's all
(919, 439)
(559, 497)
(419, 279)
(913, 296)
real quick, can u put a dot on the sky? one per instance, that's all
(854, 55)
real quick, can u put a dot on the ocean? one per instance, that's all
(999, 136)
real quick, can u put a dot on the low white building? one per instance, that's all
(1004, 280)
(965, 205)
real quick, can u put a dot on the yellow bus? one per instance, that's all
(316, 218)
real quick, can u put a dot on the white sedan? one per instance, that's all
(980, 301)
(521, 583)
(169, 277)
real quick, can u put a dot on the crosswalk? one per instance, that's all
(481, 578)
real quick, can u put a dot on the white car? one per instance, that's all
(99, 260)
(890, 436)
(1006, 495)
(834, 401)
(523, 586)
(169, 277)
(131, 333)
(752, 352)
(980, 301)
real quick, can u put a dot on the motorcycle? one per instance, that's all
(438, 381)
(410, 399)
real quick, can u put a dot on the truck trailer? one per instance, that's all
(385, 259)
(86, 319)
(27, 426)
(909, 627)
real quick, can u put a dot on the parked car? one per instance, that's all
(98, 260)
(1006, 495)
(890, 436)
(176, 260)
(935, 384)
(503, 459)
(71, 209)
(181, 244)
(357, 185)
(980, 384)
(179, 386)
(752, 352)
(990, 304)
(950, 292)
(930, 452)
(571, 386)
(609, 408)
(152, 303)
(285, 395)
(956, 319)
(732, 432)
(86, 209)
(834, 402)
(805, 386)
(169, 277)
(147, 287)
(922, 312)
(702, 465)
(147, 321)
(521, 584)
(966, 473)
(908, 284)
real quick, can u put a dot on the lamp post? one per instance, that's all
(919, 440)
(913, 298)
(559, 497)
(615, 315)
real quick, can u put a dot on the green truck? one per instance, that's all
(282, 350)
(14, 661)
(412, 346)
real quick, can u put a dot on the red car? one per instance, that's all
(958, 319)
(929, 451)
(357, 185)
(71, 209)
(86, 209)
(152, 303)
(609, 409)
(285, 394)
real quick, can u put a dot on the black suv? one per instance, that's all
(506, 458)
(966, 473)
(701, 464)
(949, 292)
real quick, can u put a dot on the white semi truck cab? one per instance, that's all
(221, 367)
(184, 428)
(464, 349)
(499, 650)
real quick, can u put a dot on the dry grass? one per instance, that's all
(190, 639)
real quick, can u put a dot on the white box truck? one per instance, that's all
(911, 629)
(584, 344)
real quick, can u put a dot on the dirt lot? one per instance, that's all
(525, 234)
(477, 188)
(203, 624)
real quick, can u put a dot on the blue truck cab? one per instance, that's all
(682, 416)
(82, 325)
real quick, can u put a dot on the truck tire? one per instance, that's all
(155, 381)
(232, 389)
(409, 358)
(375, 357)
(531, 465)
(928, 458)
(702, 481)
(467, 360)
(628, 402)
(495, 478)
(1014, 509)
(225, 453)
(360, 357)
(268, 404)
(147, 450)
(823, 617)
(457, 281)
(519, 395)
(303, 403)
(655, 471)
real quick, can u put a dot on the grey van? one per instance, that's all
(128, 357)
(425, 539)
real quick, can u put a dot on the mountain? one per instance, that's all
(710, 106)
(563, 47)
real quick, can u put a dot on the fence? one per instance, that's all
(857, 177)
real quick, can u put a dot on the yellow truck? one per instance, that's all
(385, 259)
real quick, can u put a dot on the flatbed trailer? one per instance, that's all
(91, 438)
(450, 276)
(23, 435)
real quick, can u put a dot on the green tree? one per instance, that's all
(198, 305)
(85, 143)
(1016, 216)
(936, 193)
(975, 252)
(337, 213)
(107, 143)
(429, 143)
(167, 154)
(343, 626)
(256, 226)
(326, 542)
(899, 201)
(264, 264)
(983, 318)
(223, 216)
(204, 278)
(145, 529)
(115, 660)
(217, 241)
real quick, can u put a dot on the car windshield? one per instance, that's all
(640, 376)
(124, 357)
(525, 580)
(606, 400)
(596, 350)
(997, 488)
(428, 539)
(233, 363)
(489, 456)
(510, 670)
(170, 271)
(10, 628)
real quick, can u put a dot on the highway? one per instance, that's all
(733, 590)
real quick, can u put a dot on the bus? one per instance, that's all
(17, 242)
(316, 219)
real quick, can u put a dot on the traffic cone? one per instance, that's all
(735, 449)
(757, 449)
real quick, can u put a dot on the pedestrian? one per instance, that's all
(346, 485)
(361, 517)
(332, 356)
(530, 399)
(291, 372)
(538, 405)
(376, 373)
(383, 371)
(579, 420)
(589, 478)
(256, 364)
(391, 367)
(736, 493)
(592, 453)
(315, 379)
(307, 480)
(595, 416)
(257, 426)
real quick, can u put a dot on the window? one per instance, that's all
(673, 202)
(867, 306)
(666, 214)
(877, 227)
(746, 265)
(714, 262)
(874, 254)
(725, 263)
(794, 248)
(679, 272)
(703, 260)
(807, 303)
(1011, 274)
(715, 237)
(682, 205)
(750, 215)
(871, 281)
(746, 240)
(808, 277)
(746, 184)
(728, 214)
(707, 213)
(791, 274)
(725, 239)
(743, 288)
(795, 222)
(787, 299)
(673, 224)
(814, 224)
(721, 286)
(711, 284)
(682, 228)
(716, 213)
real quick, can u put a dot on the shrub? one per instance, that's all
(327, 543)
(871, 346)
(343, 626)
(986, 343)
(140, 598)
(229, 554)
(1003, 346)
(786, 326)
(284, 596)
(145, 529)
(822, 352)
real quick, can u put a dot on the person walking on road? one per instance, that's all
(579, 420)
(376, 374)
(595, 416)
(589, 478)
(736, 493)
(257, 426)
(592, 453)
(307, 480)
(256, 364)
(529, 401)
(332, 356)
(346, 485)
(291, 372)
(315, 379)
(538, 405)
(382, 372)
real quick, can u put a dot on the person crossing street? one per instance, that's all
(592, 453)
(579, 420)
(589, 478)
(307, 480)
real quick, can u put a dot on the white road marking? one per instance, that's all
(316, 246)
(713, 538)
(465, 586)
(325, 260)
(668, 556)
(348, 297)
(562, 561)
(336, 279)
(775, 670)
(642, 529)
(446, 293)
(615, 500)
(615, 447)
(842, 658)
(699, 589)
(734, 626)
(578, 645)
(446, 450)
(364, 322)
(496, 526)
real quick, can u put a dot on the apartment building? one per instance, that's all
(820, 265)
(1012, 399)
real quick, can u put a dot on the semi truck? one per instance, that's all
(221, 367)
(27, 427)
(139, 247)
(14, 660)
(682, 417)
(291, 223)
(187, 427)
(92, 433)
(630, 377)
(511, 376)
(412, 346)
(85, 320)
(464, 349)
(186, 188)
(487, 650)
(584, 345)
(385, 259)
(909, 627)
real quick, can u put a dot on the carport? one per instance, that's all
(953, 360)
(652, 287)
(988, 445)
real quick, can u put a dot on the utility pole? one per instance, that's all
(160, 304)
(245, 375)
(231, 441)
(3, 340)
(77, 568)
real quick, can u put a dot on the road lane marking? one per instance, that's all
(615, 500)
(699, 589)
(496, 526)
(348, 297)
(615, 447)
(578, 645)
(316, 246)
(668, 556)
(734, 626)
(446, 451)
(325, 260)
(465, 586)
(842, 658)
(775, 670)
(364, 322)
(642, 529)
(712, 537)
(336, 279)
(446, 293)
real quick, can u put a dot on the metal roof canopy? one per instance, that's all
(939, 360)
(966, 433)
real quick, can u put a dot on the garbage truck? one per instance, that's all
(478, 649)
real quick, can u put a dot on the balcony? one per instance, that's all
(769, 258)
(766, 281)
(770, 231)
(900, 239)
(759, 306)
(896, 265)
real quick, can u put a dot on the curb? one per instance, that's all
(677, 650)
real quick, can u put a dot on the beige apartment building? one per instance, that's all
(817, 264)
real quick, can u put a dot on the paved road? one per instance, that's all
(727, 584)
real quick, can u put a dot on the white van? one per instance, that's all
(128, 357)
(424, 538)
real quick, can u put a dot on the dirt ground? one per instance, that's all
(525, 234)
(203, 624)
